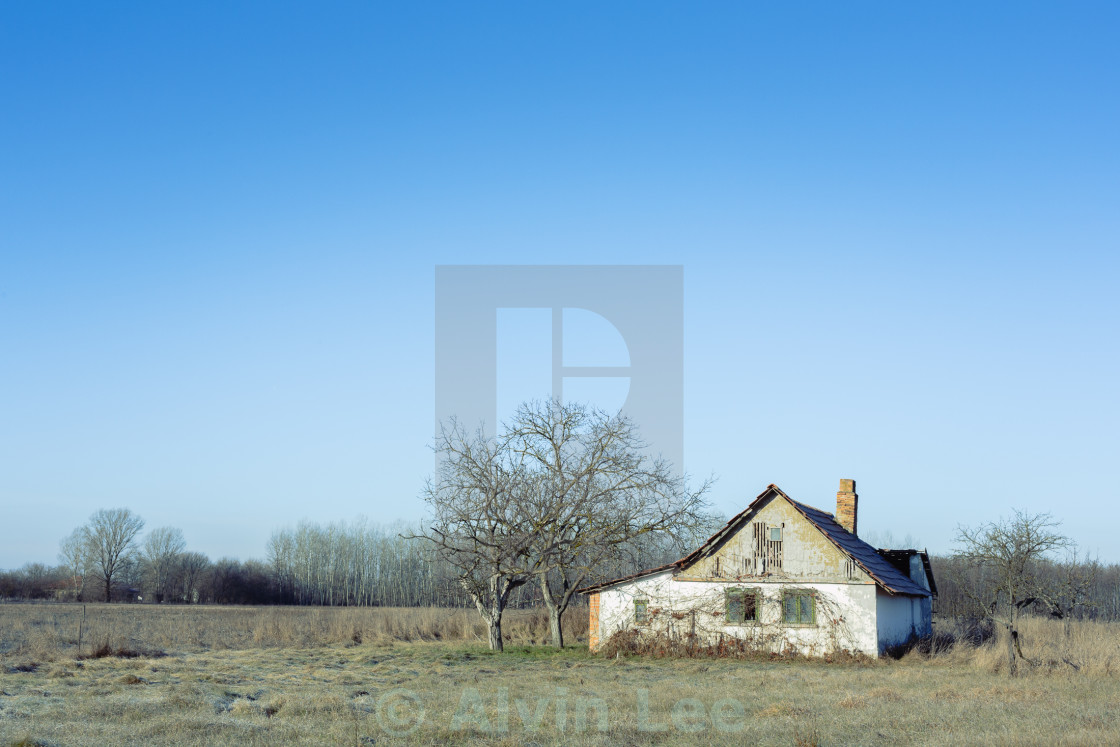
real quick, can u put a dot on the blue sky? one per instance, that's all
(219, 228)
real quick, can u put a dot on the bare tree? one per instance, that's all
(109, 538)
(191, 567)
(596, 491)
(478, 523)
(74, 556)
(1072, 588)
(1005, 558)
(161, 547)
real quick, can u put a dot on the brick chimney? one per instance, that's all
(846, 501)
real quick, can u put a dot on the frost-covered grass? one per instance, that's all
(45, 632)
(374, 691)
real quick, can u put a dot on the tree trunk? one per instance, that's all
(557, 604)
(108, 589)
(491, 612)
(1012, 662)
(555, 618)
(496, 635)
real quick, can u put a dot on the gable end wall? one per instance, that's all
(807, 554)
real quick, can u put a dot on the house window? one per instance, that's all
(641, 611)
(799, 608)
(775, 534)
(742, 605)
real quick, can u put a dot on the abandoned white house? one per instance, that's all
(781, 576)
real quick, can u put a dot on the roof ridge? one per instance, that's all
(899, 585)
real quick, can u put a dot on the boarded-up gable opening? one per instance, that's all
(767, 547)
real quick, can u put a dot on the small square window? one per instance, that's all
(641, 611)
(775, 534)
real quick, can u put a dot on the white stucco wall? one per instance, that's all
(901, 618)
(925, 617)
(846, 613)
(925, 604)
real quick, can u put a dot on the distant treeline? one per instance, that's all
(1088, 588)
(340, 564)
(362, 564)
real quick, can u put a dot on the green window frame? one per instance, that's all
(741, 606)
(641, 611)
(799, 608)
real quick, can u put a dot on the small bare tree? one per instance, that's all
(595, 490)
(109, 539)
(161, 548)
(1005, 558)
(74, 556)
(478, 523)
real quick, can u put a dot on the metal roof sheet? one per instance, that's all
(900, 559)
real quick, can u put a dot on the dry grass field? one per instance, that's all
(220, 675)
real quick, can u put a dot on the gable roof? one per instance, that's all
(865, 556)
(632, 577)
(885, 575)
